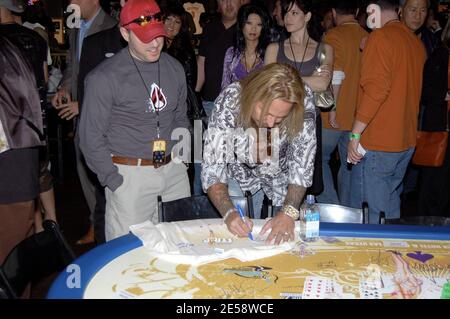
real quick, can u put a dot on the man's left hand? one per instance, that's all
(352, 152)
(282, 229)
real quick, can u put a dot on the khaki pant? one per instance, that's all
(16, 224)
(135, 201)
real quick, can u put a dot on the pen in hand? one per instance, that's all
(241, 213)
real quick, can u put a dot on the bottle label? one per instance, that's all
(312, 219)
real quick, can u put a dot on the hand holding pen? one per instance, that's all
(237, 225)
(244, 219)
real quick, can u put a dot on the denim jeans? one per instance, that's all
(330, 139)
(208, 106)
(377, 179)
(235, 190)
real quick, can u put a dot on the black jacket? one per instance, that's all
(20, 109)
(434, 90)
(429, 40)
(102, 41)
(95, 48)
(185, 54)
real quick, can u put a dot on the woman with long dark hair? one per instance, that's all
(252, 38)
(179, 45)
(301, 50)
(178, 41)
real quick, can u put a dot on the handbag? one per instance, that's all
(324, 100)
(195, 109)
(430, 148)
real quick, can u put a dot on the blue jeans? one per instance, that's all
(377, 179)
(234, 189)
(208, 106)
(330, 139)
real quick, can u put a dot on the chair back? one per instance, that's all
(245, 202)
(34, 258)
(331, 213)
(198, 207)
(267, 208)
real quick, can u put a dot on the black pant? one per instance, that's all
(317, 183)
(434, 195)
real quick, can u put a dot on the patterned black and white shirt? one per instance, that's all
(227, 151)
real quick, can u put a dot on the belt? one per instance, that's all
(138, 161)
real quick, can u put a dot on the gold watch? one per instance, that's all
(291, 212)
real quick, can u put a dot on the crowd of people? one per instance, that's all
(135, 87)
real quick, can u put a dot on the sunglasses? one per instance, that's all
(144, 20)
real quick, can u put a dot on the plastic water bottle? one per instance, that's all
(309, 220)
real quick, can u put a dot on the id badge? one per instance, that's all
(159, 153)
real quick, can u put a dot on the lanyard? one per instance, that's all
(156, 105)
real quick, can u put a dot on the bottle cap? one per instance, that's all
(310, 199)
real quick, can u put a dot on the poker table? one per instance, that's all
(348, 261)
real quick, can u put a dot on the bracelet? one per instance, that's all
(291, 211)
(228, 213)
(354, 136)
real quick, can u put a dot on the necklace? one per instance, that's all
(156, 105)
(245, 62)
(304, 53)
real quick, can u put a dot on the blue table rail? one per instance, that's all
(71, 283)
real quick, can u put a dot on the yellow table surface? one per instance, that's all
(400, 268)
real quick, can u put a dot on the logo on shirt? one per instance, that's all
(157, 100)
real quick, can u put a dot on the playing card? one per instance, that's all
(290, 295)
(316, 287)
(369, 290)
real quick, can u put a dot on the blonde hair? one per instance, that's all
(274, 81)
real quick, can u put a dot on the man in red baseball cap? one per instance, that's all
(142, 27)
(133, 114)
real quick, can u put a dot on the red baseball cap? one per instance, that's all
(148, 12)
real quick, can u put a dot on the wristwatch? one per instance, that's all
(291, 212)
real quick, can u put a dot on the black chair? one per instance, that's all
(34, 258)
(199, 207)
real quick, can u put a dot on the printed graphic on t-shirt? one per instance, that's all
(157, 100)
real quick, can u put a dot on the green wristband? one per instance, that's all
(354, 136)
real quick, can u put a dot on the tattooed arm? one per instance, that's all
(218, 193)
(294, 196)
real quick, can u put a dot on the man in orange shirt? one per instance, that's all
(345, 40)
(387, 113)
